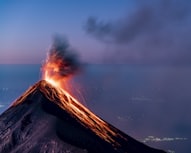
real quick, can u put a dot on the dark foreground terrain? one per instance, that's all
(36, 124)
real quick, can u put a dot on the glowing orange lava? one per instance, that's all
(51, 73)
(53, 89)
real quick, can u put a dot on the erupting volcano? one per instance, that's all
(47, 118)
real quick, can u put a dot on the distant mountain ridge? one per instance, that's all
(43, 120)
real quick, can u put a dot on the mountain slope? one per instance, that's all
(45, 119)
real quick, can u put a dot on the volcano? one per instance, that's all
(46, 120)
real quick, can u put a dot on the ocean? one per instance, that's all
(149, 103)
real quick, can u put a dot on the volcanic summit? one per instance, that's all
(48, 119)
(45, 119)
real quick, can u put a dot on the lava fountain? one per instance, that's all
(60, 64)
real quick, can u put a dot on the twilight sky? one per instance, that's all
(108, 31)
(27, 27)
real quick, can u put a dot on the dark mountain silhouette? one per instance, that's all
(43, 120)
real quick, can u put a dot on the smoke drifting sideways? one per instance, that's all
(61, 59)
(153, 32)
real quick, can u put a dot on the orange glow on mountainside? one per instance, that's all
(51, 73)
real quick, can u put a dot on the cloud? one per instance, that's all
(154, 32)
(156, 139)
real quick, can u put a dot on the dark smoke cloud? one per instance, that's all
(99, 29)
(154, 32)
(62, 54)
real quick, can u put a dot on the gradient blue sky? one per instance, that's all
(27, 27)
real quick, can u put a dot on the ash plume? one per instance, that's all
(65, 58)
(153, 32)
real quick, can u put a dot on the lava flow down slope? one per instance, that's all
(48, 119)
